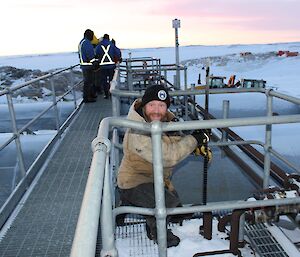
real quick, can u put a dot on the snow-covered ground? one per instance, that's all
(281, 73)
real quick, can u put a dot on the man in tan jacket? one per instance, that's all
(135, 178)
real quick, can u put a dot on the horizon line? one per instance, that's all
(212, 45)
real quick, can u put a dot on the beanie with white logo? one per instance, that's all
(156, 92)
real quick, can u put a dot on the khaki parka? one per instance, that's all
(136, 166)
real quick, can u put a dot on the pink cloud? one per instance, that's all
(258, 15)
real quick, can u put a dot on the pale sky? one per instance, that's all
(51, 26)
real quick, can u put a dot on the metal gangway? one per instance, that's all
(39, 214)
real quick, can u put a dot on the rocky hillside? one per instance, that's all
(11, 76)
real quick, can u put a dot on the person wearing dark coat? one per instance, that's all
(87, 58)
(105, 53)
(135, 177)
(118, 56)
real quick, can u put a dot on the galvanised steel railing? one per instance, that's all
(27, 175)
(98, 195)
(135, 68)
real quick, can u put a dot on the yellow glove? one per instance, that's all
(200, 150)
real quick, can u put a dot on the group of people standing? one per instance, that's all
(98, 59)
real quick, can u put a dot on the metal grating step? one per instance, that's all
(263, 242)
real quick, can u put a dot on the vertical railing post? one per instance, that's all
(224, 137)
(56, 113)
(129, 73)
(165, 75)
(193, 110)
(114, 163)
(16, 133)
(107, 223)
(176, 26)
(159, 68)
(72, 81)
(174, 80)
(242, 228)
(185, 78)
(116, 102)
(268, 138)
(160, 208)
(225, 116)
(115, 99)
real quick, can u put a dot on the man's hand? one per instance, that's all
(200, 150)
(201, 135)
(95, 63)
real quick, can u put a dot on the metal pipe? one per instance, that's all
(107, 227)
(176, 25)
(87, 226)
(194, 92)
(115, 160)
(14, 88)
(16, 134)
(206, 229)
(129, 74)
(156, 129)
(232, 122)
(160, 208)
(185, 78)
(73, 88)
(242, 229)
(288, 98)
(225, 116)
(115, 98)
(216, 206)
(7, 142)
(280, 157)
(268, 144)
(35, 119)
(56, 113)
(234, 231)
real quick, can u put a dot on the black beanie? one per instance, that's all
(89, 34)
(156, 92)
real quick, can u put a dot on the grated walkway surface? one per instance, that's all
(263, 242)
(46, 224)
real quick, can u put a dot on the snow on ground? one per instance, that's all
(191, 242)
(42, 62)
(279, 72)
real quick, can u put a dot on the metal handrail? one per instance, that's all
(51, 74)
(87, 229)
(29, 174)
(98, 181)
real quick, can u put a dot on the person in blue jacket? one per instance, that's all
(118, 56)
(87, 60)
(106, 53)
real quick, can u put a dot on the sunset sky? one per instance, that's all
(51, 26)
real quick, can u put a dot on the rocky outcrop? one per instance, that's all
(11, 76)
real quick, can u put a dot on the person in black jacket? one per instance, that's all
(87, 58)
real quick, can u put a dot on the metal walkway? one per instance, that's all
(263, 242)
(46, 223)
